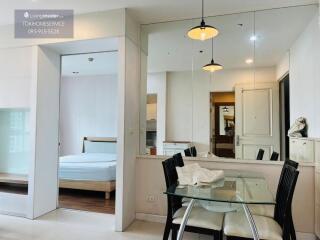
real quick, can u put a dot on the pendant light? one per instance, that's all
(212, 66)
(203, 31)
(225, 109)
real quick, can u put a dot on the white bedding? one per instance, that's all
(88, 166)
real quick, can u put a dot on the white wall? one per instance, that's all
(95, 25)
(88, 107)
(305, 78)
(15, 87)
(188, 101)
(129, 96)
(157, 84)
(43, 173)
(283, 66)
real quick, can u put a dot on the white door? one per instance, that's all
(257, 120)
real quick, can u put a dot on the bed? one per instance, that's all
(94, 169)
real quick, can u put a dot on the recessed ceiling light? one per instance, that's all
(253, 38)
(249, 61)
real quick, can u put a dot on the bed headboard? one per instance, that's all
(99, 145)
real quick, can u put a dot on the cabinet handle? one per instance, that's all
(304, 143)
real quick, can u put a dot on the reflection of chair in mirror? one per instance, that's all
(260, 154)
(190, 152)
(187, 152)
(193, 151)
(274, 156)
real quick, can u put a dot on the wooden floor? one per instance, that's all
(74, 199)
(86, 201)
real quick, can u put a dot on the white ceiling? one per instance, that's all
(170, 50)
(147, 11)
(104, 63)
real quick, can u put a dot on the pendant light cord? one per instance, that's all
(202, 10)
(212, 48)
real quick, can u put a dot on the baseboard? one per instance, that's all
(150, 217)
(306, 236)
(162, 219)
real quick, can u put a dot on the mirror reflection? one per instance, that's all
(238, 111)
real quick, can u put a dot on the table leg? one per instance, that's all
(253, 226)
(185, 219)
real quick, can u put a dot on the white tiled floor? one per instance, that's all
(66, 224)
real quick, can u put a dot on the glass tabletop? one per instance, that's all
(243, 187)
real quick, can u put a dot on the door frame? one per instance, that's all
(217, 123)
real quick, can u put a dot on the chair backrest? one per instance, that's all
(193, 151)
(187, 152)
(170, 172)
(260, 154)
(171, 178)
(286, 163)
(178, 160)
(274, 156)
(282, 213)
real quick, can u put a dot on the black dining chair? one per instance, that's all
(274, 156)
(269, 210)
(200, 220)
(278, 227)
(260, 154)
(178, 160)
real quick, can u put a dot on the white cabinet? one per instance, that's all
(172, 147)
(302, 149)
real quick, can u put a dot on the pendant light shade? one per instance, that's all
(212, 66)
(203, 31)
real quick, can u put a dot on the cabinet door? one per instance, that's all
(294, 149)
(317, 153)
(306, 150)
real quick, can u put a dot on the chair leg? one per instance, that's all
(167, 229)
(292, 230)
(174, 233)
(216, 235)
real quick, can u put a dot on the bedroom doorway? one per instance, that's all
(88, 131)
(222, 122)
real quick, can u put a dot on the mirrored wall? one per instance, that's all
(242, 108)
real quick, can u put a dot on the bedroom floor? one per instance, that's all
(86, 201)
(73, 199)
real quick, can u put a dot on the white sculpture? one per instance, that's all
(298, 129)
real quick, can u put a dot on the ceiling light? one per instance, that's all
(249, 61)
(253, 38)
(225, 109)
(212, 66)
(202, 32)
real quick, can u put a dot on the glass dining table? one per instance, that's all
(236, 189)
